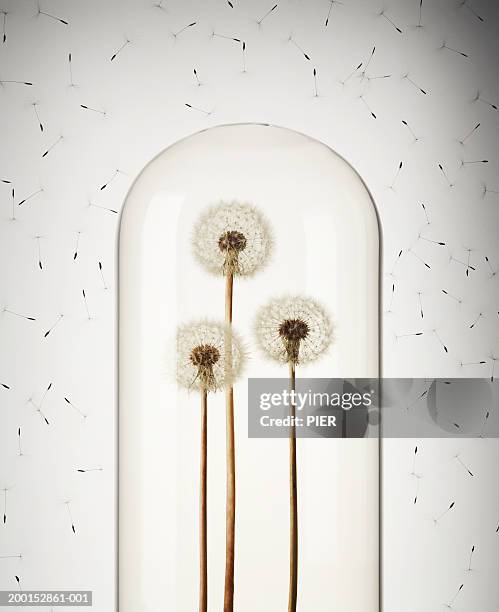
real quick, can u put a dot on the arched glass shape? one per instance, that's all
(325, 246)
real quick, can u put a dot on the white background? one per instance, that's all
(144, 91)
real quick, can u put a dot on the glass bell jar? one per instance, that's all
(248, 254)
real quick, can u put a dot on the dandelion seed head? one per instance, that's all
(232, 238)
(209, 356)
(293, 329)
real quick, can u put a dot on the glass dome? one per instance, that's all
(221, 233)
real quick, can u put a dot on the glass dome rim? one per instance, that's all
(260, 124)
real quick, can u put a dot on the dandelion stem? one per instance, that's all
(203, 540)
(293, 501)
(230, 516)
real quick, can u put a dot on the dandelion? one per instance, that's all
(293, 330)
(202, 356)
(231, 239)
(209, 358)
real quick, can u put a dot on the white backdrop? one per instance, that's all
(143, 93)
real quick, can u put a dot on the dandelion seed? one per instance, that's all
(469, 569)
(475, 321)
(470, 133)
(435, 332)
(485, 420)
(416, 138)
(38, 409)
(438, 518)
(350, 75)
(4, 32)
(494, 360)
(459, 460)
(260, 21)
(82, 414)
(190, 25)
(3, 81)
(101, 272)
(200, 110)
(54, 325)
(5, 505)
(316, 93)
(412, 82)
(445, 46)
(32, 195)
(421, 309)
(52, 146)
(390, 21)
(225, 37)
(305, 55)
(84, 471)
(427, 265)
(445, 175)
(458, 300)
(331, 4)
(368, 107)
(83, 292)
(451, 602)
(70, 66)
(77, 245)
(70, 514)
(40, 264)
(399, 168)
(110, 180)
(54, 17)
(118, 51)
(111, 210)
(420, 21)
(465, 162)
(478, 98)
(472, 10)
(17, 314)
(492, 271)
(398, 336)
(94, 110)
(364, 72)
(437, 242)
(40, 124)
(243, 51)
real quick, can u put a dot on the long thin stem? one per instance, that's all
(230, 517)
(293, 502)
(203, 537)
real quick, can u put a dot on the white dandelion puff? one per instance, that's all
(293, 330)
(232, 238)
(209, 356)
